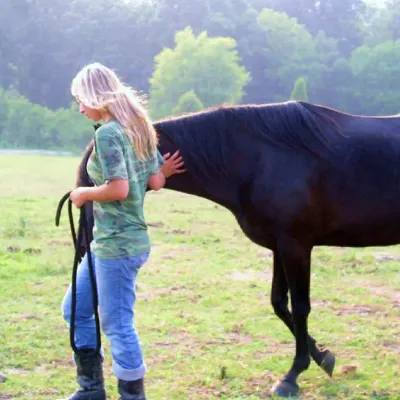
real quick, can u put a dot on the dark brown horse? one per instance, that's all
(295, 175)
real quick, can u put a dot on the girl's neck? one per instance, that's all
(106, 117)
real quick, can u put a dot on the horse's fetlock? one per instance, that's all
(302, 363)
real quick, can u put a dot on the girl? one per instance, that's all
(123, 163)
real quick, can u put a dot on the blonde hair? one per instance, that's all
(98, 87)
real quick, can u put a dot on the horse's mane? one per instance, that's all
(294, 124)
(207, 136)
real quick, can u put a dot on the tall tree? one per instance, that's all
(3, 111)
(376, 84)
(188, 102)
(208, 66)
(232, 18)
(299, 90)
(338, 18)
(45, 42)
(382, 22)
(290, 51)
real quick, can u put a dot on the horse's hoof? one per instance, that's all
(328, 363)
(3, 378)
(285, 389)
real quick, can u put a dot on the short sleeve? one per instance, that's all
(154, 163)
(160, 158)
(110, 152)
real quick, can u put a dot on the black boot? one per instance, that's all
(90, 376)
(131, 390)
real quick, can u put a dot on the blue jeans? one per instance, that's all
(116, 281)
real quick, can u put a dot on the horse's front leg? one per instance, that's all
(279, 300)
(296, 257)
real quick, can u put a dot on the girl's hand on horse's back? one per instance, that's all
(172, 164)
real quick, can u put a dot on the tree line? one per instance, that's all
(187, 55)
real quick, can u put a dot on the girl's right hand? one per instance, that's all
(172, 164)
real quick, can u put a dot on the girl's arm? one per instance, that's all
(156, 181)
(116, 189)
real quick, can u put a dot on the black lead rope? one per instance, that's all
(83, 232)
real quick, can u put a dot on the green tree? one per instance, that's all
(3, 111)
(227, 18)
(208, 66)
(376, 83)
(188, 102)
(338, 18)
(382, 22)
(30, 125)
(290, 51)
(45, 42)
(300, 90)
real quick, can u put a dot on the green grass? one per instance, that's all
(203, 302)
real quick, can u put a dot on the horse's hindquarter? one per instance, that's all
(360, 196)
(352, 202)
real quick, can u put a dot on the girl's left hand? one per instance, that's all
(78, 196)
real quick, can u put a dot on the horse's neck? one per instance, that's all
(190, 184)
(184, 183)
(82, 175)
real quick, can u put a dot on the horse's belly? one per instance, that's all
(256, 231)
(360, 238)
(362, 224)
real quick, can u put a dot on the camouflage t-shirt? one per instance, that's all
(120, 229)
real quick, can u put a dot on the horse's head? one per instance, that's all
(82, 178)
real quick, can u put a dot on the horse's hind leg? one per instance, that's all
(279, 299)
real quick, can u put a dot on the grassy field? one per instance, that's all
(203, 310)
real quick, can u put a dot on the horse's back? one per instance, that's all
(351, 198)
(360, 195)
